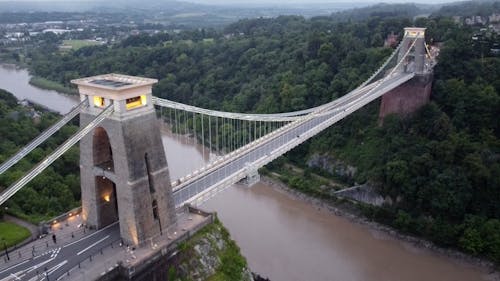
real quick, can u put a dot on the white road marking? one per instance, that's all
(90, 235)
(12, 267)
(39, 265)
(54, 268)
(15, 276)
(84, 250)
(55, 252)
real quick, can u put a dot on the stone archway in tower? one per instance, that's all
(103, 153)
(106, 201)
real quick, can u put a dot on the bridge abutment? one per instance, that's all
(408, 97)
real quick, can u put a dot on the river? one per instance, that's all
(16, 81)
(283, 238)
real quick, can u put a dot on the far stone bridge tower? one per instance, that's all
(123, 168)
(410, 96)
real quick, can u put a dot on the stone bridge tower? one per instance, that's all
(123, 168)
(410, 96)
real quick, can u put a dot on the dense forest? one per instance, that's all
(261, 65)
(54, 191)
(470, 8)
(440, 166)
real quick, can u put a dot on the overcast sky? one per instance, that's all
(316, 1)
(257, 1)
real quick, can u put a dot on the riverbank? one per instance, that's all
(283, 238)
(46, 84)
(16, 79)
(348, 209)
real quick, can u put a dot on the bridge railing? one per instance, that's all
(343, 110)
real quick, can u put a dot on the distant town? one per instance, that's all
(89, 29)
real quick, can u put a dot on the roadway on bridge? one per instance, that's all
(54, 263)
(234, 168)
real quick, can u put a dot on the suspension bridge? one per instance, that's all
(240, 142)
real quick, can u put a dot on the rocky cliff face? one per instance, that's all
(365, 193)
(332, 165)
(209, 255)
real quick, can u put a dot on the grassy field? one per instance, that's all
(77, 44)
(12, 234)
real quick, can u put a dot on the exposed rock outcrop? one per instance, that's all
(331, 165)
(206, 255)
(364, 193)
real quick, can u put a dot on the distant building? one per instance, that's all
(495, 27)
(56, 31)
(36, 117)
(53, 22)
(475, 20)
(391, 40)
(24, 103)
(14, 34)
(494, 18)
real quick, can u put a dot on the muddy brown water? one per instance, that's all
(283, 238)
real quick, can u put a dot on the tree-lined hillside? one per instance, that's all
(58, 188)
(441, 166)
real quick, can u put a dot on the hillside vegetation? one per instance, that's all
(54, 191)
(440, 166)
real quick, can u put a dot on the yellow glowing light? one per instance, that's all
(135, 102)
(106, 198)
(98, 101)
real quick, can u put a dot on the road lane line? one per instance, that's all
(90, 235)
(12, 267)
(39, 265)
(84, 250)
(56, 267)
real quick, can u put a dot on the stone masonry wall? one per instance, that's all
(408, 97)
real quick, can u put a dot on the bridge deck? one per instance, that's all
(268, 148)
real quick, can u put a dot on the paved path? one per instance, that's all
(57, 258)
(86, 256)
(31, 227)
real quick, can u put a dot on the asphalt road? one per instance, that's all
(56, 262)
